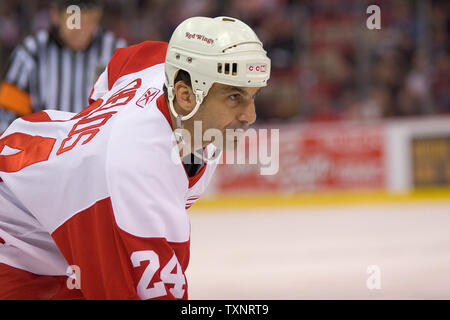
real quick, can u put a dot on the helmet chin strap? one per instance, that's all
(199, 95)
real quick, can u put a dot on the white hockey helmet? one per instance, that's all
(221, 49)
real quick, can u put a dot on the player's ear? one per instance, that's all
(184, 97)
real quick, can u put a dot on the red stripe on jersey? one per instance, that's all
(93, 241)
(40, 116)
(162, 106)
(1, 240)
(135, 58)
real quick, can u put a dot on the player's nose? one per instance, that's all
(248, 114)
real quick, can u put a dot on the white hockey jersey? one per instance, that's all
(101, 190)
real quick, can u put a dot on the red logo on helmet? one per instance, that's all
(256, 68)
(201, 37)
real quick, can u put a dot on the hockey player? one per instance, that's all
(99, 195)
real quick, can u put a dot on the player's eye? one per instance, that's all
(234, 97)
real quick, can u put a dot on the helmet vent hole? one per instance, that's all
(234, 71)
(227, 68)
(233, 46)
(219, 68)
(228, 19)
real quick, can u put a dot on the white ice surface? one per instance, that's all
(321, 252)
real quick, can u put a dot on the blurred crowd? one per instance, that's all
(326, 64)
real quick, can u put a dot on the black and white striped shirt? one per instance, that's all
(55, 76)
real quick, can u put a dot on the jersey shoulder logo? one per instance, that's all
(147, 97)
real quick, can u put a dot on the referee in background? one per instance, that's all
(57, 69)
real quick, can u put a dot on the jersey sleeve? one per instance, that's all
(15, 93)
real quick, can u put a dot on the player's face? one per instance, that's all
(77, 38)
(228, 107)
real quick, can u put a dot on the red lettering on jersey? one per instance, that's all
(95, 120)
(97, 103)
(123, 96)
(33, 149)
(91, 130)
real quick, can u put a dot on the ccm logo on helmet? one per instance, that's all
(256, 68)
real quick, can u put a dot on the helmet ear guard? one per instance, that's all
(199, 96)
(223, 50)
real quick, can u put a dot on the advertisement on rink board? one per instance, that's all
(313, 157)
(431, 160)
